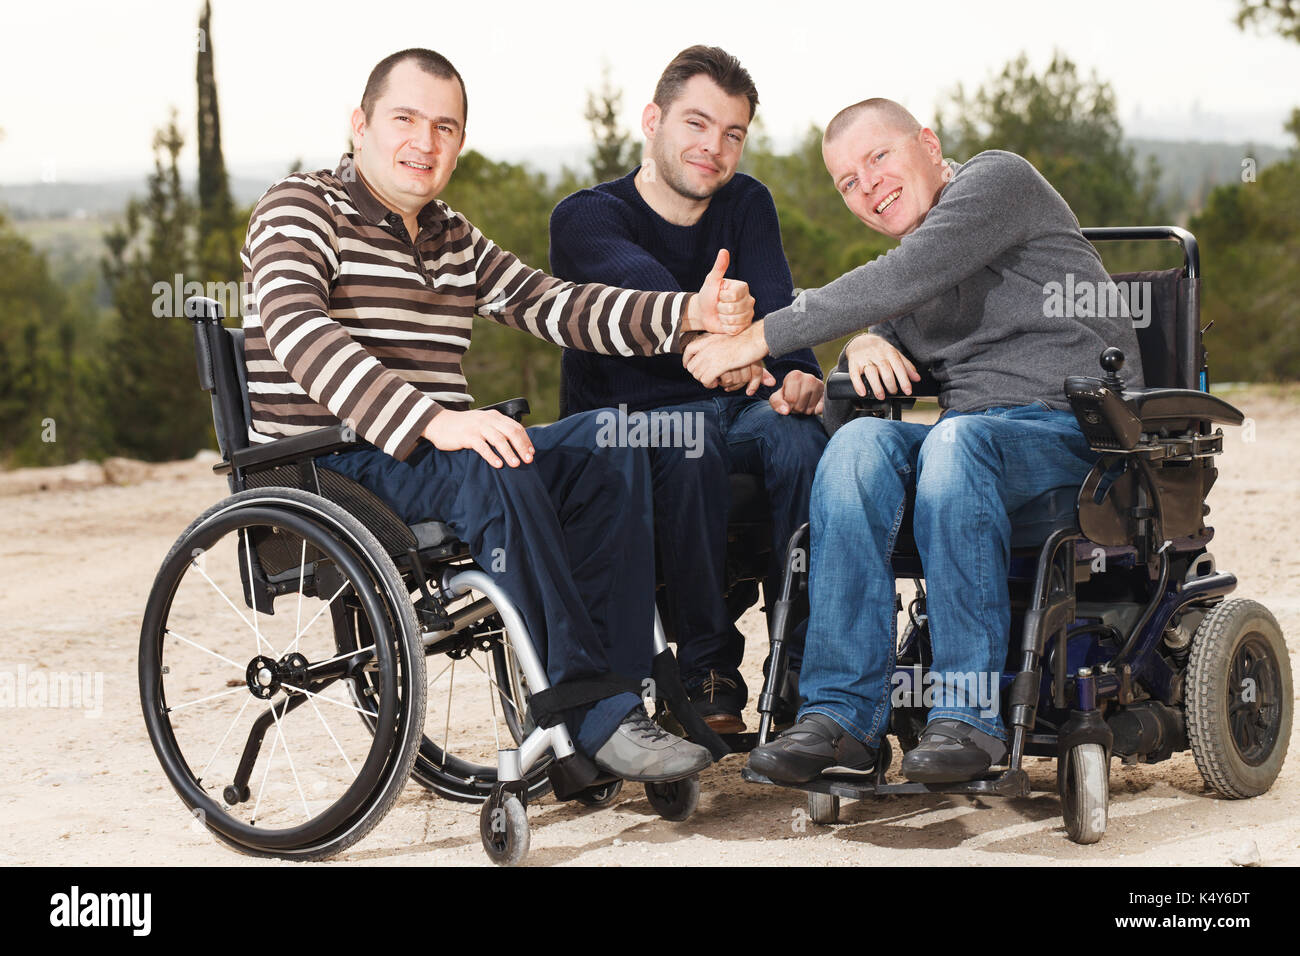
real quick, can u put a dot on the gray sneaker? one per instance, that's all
(639, 749)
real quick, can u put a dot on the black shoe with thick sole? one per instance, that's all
(951, 751)
(810, 747)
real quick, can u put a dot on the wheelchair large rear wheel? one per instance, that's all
(252, 710)
(1239, 699)
(476, 704)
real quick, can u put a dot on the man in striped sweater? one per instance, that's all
(365, 289)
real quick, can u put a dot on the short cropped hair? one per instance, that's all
(715, 63)
(435, 64)
(891, 112)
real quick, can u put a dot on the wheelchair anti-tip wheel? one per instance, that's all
(1239, 699)
(225, 664)
(503, 827)
(1083, 781)
(676, 800)
(823, 808)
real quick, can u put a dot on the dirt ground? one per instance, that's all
(78, 556)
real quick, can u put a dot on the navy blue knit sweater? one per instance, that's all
(610, 234)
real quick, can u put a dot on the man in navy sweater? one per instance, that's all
(661, 227)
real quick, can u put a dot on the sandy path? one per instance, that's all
(77, 789)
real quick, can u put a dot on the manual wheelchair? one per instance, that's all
(304, 594)
(1126, 644)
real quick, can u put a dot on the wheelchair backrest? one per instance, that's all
(220, 355)
(1169, 332)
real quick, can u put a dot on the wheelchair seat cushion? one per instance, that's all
(1036, 519)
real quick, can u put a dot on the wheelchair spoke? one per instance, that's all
(508, 698)
(496, 736)
(191, 703)
(320, 611)
(446, 730)
(279, 729)
(325, 724)
(297, 623)
(328, 700)
(248, 554)
(339, 657)
(267, 772)
(216, 587)
(220, 657)
(222, 742)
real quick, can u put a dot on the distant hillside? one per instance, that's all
(1189, 170)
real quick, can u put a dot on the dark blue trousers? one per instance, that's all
(691, 501)
(569, 537)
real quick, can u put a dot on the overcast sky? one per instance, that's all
(86, 83)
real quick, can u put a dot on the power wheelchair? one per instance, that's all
(1126, 644)
(302, 592)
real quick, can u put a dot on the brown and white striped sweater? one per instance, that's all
(348, 322)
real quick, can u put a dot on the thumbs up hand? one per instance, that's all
(722, 305)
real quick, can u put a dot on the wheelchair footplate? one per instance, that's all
(861, 784)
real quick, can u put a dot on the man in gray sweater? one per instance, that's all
(974, 290)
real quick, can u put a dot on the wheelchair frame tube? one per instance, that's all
(513, 764)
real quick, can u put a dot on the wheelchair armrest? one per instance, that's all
(285, 451)
(839, 387)
(515, 408)
(1117, 419)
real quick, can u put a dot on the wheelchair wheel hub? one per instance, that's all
(265, 676)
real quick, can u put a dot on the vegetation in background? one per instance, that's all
(116, 379)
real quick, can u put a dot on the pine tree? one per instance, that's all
(613, 152)
(156, 410)
(219, 234)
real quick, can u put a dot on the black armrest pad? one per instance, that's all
(282, 451)
(515, 408)
(839, 387)
(1155, 405)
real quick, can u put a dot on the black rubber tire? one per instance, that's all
(504, 831)
(1083, 781)
(398, 664)
(676, 800)
(601, 795)
(823, 808)
(1239, 743)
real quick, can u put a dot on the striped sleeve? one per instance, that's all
(590, 317)
(293, 258)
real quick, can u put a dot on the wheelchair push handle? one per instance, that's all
(200, 308)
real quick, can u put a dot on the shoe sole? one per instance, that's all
(725, 724)
(656, 778)
(759, 763)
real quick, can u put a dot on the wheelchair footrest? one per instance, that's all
(1007, 783)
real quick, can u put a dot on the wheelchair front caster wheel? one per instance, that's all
(823, 808)
(601, 795)
(503, 826)
(674, 801)
(1083, 780)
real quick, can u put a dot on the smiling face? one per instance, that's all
(407, 148)
(889, 178)
(697, 142)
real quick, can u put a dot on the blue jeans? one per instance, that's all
(568, 537)
(968, 472)
(691, 501)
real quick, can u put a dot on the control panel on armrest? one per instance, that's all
(1117, 419)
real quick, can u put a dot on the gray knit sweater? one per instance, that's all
(997, 291)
